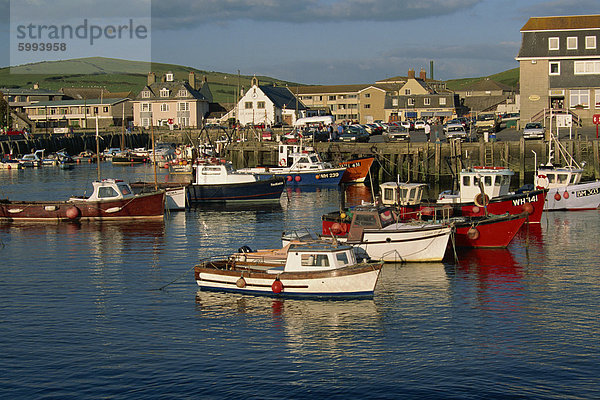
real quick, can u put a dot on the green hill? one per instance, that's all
(509, 78)
(119, 75)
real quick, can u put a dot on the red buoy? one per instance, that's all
(557, 196)
(476, 210)
(566, 194)
(298, 178)
(277, 286)
(528, 208)
(73, 212)
(289, 178)
(473, 233)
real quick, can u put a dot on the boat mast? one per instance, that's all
(97, 149)
(153, 156)
(123, 129)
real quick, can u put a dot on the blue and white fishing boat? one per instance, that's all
(299, 167)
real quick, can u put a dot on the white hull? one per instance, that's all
(582, 196)
(405, 243)
(175, 198)
(322, 285)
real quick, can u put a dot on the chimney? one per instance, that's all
(411, 73)
(36, 86)
(423, 74)
(151, 78)
(192, 80)
(431, 69)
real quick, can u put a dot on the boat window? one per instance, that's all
(211, 170)
(475, 181)
(551, 178)
(403, 193)
(314, 260)
(125, 190)
(498, 180)
(342, 258)
(487, 180)
(412, 193)
(314, 159)
(505, 180)
(388, 194)
(365, 220)
(303, 160)
(563, 178)
(466, 180)
(106, 192)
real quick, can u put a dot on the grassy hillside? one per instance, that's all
(509, 78)
(119, 75)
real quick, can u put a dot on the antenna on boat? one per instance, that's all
(97, 149)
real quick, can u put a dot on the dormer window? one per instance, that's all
(182, 93)
(164, 92)
(146, 94)
(169, 77)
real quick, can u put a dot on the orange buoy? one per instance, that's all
(473, 233)
(475, 210)
(241, 283)
(528, 208)
(73, 212)
(277, 286)
(297, 178)
(289, 178)
(557, 196)
(566, 194)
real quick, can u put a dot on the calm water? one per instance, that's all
(82, 316)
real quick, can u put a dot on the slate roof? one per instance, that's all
(29, 92)
(174, 88)
(323, 89)
(282, 97)
(562, 23)
(79, 102)
(93, 93)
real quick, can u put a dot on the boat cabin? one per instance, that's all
(214, 173)
(110, 189)
(401, 194)
(318, 256)
(295, 157)
(494, 181)
(549, 176)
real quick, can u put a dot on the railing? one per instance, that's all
(545, 113)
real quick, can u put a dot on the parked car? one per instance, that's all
(396, 133)
(533, 130)
(408, 125)
(354, 133)
(419, 125)
(456, 130)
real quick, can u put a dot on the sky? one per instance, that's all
(317, 41)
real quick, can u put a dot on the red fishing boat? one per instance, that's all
(490, 231)
(111, 199)
(356, 170)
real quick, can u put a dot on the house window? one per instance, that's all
(146, 122)
(553, 43)
(145, 107)
(146, 94)
(248, 105)
(169, 77)
(395, 102)
(367, 106)
(554, 68)
(182, 93)
(469, 93)
(579, 98)
(407, 91)
(442, 101)
(353, 96)
(590, 42)
(331, 98)
(260, 104)
(597, 102)
(105, 109)
(587, 67)
(411, 101)
(367, 95)
(427, 101)
(183, 121)
(183, 106)
(95, 110)
(164, 107)
(164, 92)
(572, 43)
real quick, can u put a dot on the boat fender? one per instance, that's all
(482, 201)
(557, 196)
(338, 229)
(277, 286)
(73, 212)
(476, 210)
(289, 178)
(473, 233)
(282, 162)
(528, 208)
(241, 283)
(297, 178)
(542, 181)
(566, 194)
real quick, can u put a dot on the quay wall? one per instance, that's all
(433, 163)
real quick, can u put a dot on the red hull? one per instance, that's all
(513, 204)
(495, 231)
(356, 170)
(142, 206)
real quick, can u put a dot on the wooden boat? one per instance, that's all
(110, 200)
(377, 231)
(216, 181)
(308, 270)
(298, 168)
(356, 170)
(175, 193)
(129, 157)
(565, 189)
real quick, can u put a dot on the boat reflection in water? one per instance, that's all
(356, 194)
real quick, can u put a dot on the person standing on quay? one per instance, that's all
(427, 130)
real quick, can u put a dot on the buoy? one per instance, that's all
(475, 210)
(73, 212)
(317, 177)
(482, 201)
(473, 233)
(528, 208)
(297, 178)
(342, 215)
(241, 283)
(542, 181)
(557, 196)
(277, 286)
(566, 194)
(289, 178)
(337, 228)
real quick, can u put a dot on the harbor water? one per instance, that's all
(111, 310)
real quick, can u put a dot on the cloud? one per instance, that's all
(179, 13)
(561, 7)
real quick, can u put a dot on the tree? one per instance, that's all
(3, 112)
